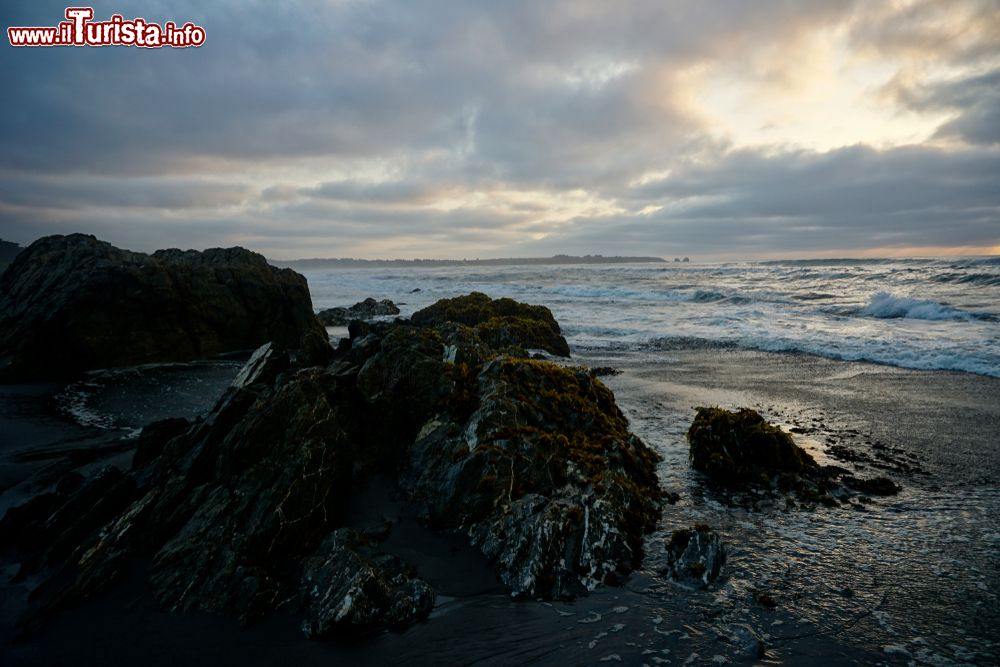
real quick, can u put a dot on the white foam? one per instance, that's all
(886, 306)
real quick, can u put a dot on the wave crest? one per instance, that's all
(886, 306)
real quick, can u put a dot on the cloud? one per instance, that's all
(484, 128)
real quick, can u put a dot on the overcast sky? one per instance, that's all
(714, 129)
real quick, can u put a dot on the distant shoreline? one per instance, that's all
(317, 263)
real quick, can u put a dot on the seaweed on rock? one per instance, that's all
(740, 450)
(244, 509)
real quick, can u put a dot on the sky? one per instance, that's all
(721, 129)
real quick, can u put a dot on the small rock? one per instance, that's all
(363, 310)
(876, 486)
(695, 556)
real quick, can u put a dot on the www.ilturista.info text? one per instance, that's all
(79, 29)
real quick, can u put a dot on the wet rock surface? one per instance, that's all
(363, 310)
(499, 322)
(543, 476)
(73, 303)
(735, 448)
(351, 586)
(244, 510)
(740, 450)
(695, 556)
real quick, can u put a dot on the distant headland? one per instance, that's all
(344, 262)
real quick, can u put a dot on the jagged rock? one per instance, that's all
(737, 448)
(349, 586)
(242, 509)
(51, 526)
(695, 556)
(73, 303)
(499, 322)
(543, 476)
(363, 310)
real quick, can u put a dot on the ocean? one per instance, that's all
(933, 314)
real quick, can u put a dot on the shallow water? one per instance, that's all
(916, 574)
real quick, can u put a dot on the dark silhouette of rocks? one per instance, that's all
(739, 447)
(363, 310)
(741, 451)
(499, 322)
(73, 303)
(247, 509)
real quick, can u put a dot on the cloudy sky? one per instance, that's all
(715, 129)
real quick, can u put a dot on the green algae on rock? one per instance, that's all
(735, 448)
(740, 450)
(501, 322)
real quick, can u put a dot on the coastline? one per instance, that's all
(814, 618)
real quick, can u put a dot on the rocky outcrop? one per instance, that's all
(248, 507)
(365, 310)
(348, 583)
(500, 322)
(73, 303)
(543, 476)
(735, 448)
(740, 450)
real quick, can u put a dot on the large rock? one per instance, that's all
(736, 448)
(247, 508)
(501, 322)
(741, 451)
(368, 309)
(73, 303)
(543, 476)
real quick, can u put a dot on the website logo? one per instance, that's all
(80, 29)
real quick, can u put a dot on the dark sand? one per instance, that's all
(913, 575)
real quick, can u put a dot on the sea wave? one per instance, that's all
(991, 279)
(887, 306)
(878, 352)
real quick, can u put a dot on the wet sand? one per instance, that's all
(914, 575)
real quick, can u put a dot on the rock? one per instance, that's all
(602, 371)
(73, 303)
(49, 528)
(363, 310)
(262, 367)
(500, 322)
(543, 476)
(695, 556)
(244, 509)
(738, 448)
(877, 486)
(747, 643)
(741, 451)
(350, 587)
